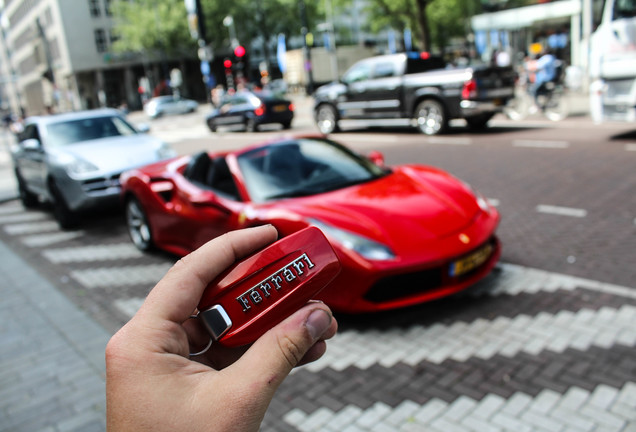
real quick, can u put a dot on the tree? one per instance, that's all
(156, 28)
(161, 26)
(430, 20)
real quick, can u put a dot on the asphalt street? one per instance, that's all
(546, 343)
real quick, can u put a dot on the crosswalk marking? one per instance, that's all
(48, 239)
(605, 408)
(120, 276)
(482, 338)
(31, 227)
(92, 253)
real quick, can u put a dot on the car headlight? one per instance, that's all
(364, 246)
(75, 166)
(482, 202)
(165, 151)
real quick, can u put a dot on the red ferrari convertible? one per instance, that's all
(404, 235)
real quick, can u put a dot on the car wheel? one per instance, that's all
(431, 117)
(28, 199)
(65, 217)
(212, 125)
(286, 125)
(250, 125)
(327, 119)
(138, 226)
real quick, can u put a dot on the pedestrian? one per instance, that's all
(152, 384)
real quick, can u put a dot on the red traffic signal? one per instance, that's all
(239, 51)
(227, 63)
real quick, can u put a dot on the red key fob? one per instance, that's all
(260, 291)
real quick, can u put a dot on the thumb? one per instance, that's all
(296, 340)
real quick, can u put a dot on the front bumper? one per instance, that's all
(89, 194)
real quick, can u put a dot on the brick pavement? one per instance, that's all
(527, 350)
(51, 356)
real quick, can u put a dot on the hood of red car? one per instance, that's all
(411, 204)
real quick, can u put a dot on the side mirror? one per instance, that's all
(31, 144)
(376, 157)
(143, 128)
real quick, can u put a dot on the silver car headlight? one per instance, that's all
(165, 151)
(75, 166)
(369, 249)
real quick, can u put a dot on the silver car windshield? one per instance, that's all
(303, 167)
(76, 131)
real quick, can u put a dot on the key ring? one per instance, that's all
(207, 347)
(203, 351)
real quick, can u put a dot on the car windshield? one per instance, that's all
(303, 167)
(76, 131)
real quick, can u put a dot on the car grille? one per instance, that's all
(408, 284)
(101, 183)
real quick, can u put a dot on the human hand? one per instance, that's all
(153, 384)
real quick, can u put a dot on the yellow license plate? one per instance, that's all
(470, 262)
(280, 108)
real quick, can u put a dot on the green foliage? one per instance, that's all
(154, 27)
(446, 18)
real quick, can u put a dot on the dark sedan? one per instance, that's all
(251, 110)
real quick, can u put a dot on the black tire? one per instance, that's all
(211, 125)
(250, 125)
(431, 117)
(286, 125)
(28, 199)
(138, 225)
(65, 217)
(479, 122)
(327, 119)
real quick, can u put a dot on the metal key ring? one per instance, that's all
(207, 347)
(203, 351)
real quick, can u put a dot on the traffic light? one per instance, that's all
(239, 51)
(227, 64)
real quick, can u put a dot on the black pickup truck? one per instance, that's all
(414, 86)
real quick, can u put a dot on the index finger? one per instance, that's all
(177, 294)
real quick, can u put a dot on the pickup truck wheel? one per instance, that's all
(327, 119)
(431, 117)
(480, 121)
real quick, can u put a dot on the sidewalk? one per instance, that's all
(8, 187)
(52, 367)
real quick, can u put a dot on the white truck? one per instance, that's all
(613, 63)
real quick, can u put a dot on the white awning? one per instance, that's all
(525, 16)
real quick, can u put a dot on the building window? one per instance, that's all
(94, 7)
(100, 40)
(108, 7)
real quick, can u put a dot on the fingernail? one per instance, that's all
(317, 323)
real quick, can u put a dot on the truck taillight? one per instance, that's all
(470, 89)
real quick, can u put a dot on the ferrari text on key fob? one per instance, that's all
(260, 291)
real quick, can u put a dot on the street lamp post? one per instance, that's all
(306, 49)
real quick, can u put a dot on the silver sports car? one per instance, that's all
(74, 160)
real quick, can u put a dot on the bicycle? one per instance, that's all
(551, 100)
